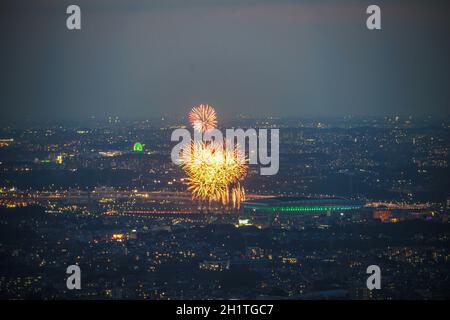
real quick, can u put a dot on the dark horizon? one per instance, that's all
(230, 121)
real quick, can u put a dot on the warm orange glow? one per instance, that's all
(383, 215)
(118, 236)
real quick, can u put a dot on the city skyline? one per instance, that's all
(224, 151)
(109, 200)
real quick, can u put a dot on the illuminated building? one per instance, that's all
(300, 204)
(118, 236)
(113, 153)
(288, 212)
(244, 222)
(382, 215)
(6, 142)
(137, 147)
(133, 235)
(214, 265)
(254, 253)
(59, 159)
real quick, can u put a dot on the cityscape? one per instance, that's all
(225, 158)
(104, 195)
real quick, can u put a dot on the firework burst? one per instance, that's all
(214, 173)
(214, 170)
(203, 118)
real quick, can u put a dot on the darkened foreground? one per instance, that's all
(177, 257)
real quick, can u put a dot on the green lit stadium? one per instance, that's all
(301, 204)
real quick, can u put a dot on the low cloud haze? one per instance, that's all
(142, 59)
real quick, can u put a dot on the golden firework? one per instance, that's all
(214, 172)
(203, 118)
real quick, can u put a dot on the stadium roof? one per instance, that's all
(302, 204)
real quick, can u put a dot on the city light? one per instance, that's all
(137, 147)
(117, 236)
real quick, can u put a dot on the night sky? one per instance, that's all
(144, 59)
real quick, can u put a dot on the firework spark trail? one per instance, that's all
(203, 118)
(214, 172)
